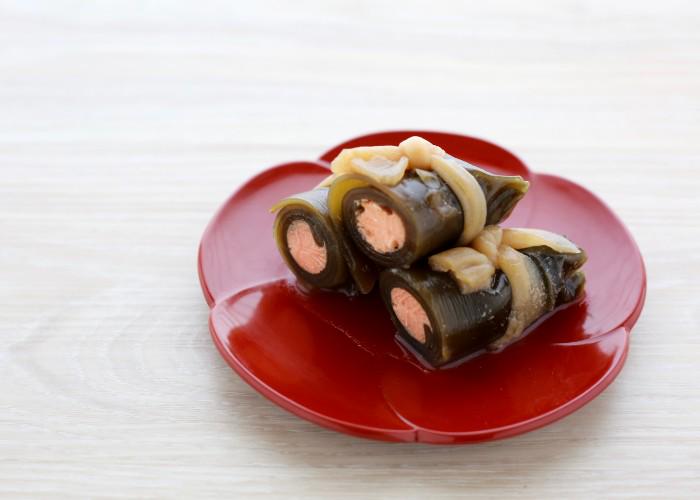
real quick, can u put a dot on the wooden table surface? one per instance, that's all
(124, 125)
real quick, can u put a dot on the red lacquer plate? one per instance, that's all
(335, 360)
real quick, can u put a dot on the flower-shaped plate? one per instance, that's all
(335, 360)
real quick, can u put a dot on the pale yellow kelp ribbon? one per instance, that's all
(495, 248)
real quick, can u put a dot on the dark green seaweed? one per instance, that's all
(502, 192)
(461, 324)
(346, 267)
(466, 323)
(431, 212)
(563, 281)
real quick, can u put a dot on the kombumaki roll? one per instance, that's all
(400, 203)
(439, 322)
(484, 296)
(315, 249)
(396, 225)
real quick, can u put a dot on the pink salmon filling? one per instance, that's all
(410, 313)
(380, 227)
(308, 255)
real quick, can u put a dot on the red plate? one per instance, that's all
(335, 361)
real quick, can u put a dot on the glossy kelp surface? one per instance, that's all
(312, 208)
(460, 324)
(347, 268)
(431, 214)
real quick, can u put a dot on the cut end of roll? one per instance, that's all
(410, 314)
(380, 226)
(304, 249)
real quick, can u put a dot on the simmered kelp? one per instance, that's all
(315, 249)
(408, 201)
(468, 299)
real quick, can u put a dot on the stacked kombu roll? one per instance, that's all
(424, 225)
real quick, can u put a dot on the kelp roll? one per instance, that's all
(307, 240)
(397, 225)
(314, 248)
(442, 323)
(438, 321)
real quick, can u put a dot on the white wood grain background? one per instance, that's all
(123, 125)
